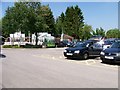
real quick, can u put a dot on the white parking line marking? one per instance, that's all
(92, 63)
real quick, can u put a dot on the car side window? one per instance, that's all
(97, 46)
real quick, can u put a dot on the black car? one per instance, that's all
(84, 50)
(111, 54)
(2, 40)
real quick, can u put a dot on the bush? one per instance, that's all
(10, 46)
(31, 46)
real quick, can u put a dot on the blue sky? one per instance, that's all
(96, 14)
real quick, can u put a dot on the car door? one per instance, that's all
(95, 49)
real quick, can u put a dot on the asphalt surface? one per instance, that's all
(48, 68)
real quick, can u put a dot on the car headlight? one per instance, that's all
(118, 54)
(77, 51)
(102, 53)
(65, 50)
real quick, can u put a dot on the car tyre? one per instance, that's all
(85, 56)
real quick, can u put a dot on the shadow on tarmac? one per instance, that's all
(77, 59)
(111, 63)
(2, 56)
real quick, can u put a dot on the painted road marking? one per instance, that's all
(93, 63)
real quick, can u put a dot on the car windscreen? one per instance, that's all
(116, 45)
(108, 42)
(84, 44)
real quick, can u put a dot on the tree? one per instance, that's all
(0, 27)
(73, 21)
(86, 32)
(28, 17)
(99, 31)
(15, 19)
(70, 22)
(49, 25)
(113, 33)
(60, 24)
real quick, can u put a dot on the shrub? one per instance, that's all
(10, 46)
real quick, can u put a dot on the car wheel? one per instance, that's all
(85, 56)
(103, 61)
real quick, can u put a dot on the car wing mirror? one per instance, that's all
(108, 46)
(91, 47)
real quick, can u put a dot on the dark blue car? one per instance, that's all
(84, 50)
(111, 54)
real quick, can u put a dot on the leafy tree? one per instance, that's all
(0, 27)
(99, 31)
(113, 33)
(7, 23)
(73, 21)
(60, 24)
(49, 25)
(28, 16)
(70, 22)
(86, 32)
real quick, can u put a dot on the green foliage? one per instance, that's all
(99, 31)
(0, 23)
(33, 17)
(60, 24)
(49, 25)
(113, 33)
(10, 46)
(86, 32)
(71, 22)
(32, 46)
(28, 17)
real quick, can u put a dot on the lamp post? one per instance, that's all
(29, 36)
(62, 35)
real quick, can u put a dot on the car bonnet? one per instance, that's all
(75, 48)
(112, 50)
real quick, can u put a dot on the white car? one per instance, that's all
(107, 44)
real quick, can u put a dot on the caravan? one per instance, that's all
(44, 40)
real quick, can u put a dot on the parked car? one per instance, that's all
(77, 43)
(107, 43)
(84, 50)
(117, 40)
(61, 44)
(64, 43)
(111, 54)
(2, 40)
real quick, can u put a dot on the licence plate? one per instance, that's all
(69, 54)
(109, 57)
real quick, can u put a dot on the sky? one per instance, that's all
(96, 14)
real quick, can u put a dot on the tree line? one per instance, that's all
(33, 17)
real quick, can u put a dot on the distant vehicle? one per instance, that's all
(108, 43)
(61, 44)
(70, 44)
(64, 43)
(96, 37)
(2, 40)
(117, 40)
(111, 54)
(84, 50)
(78, 43)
